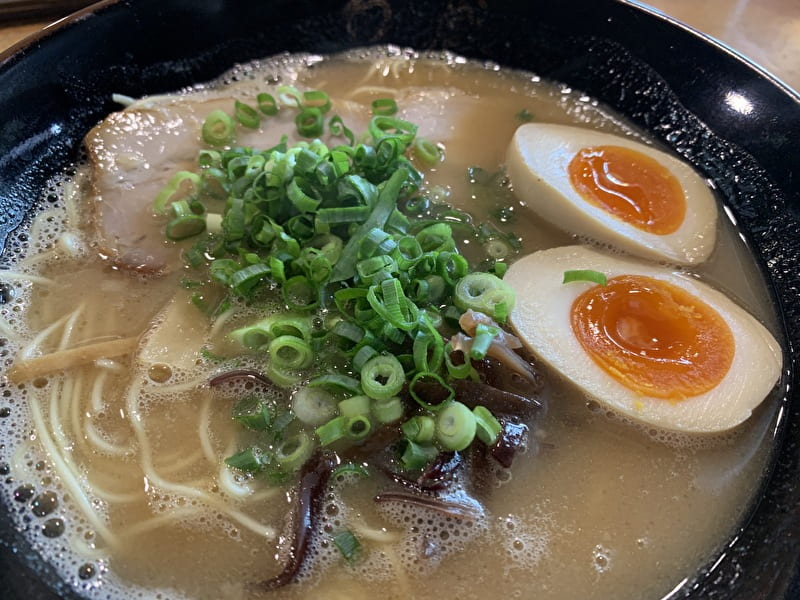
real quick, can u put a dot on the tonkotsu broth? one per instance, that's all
(596, 508)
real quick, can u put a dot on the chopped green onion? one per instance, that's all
(181, 186)
(350, 469)
(290, 353)
(524, 116)
(384, 106)
(426, 151)
(289, 95)
(387, 410)
(362, 356)
(185, 226)
(267, 104)
(355, 406)
(246, 460)
(382, 377)
(282, 377)
(383, 127)
(585, 275)
(294, 451)
(348, 545)
(244, 280)
(484, 335)
(317, 99)
(337, 128)
(246, 115)
(337, 382)
(482, 292)
(358, 428)
(332, 431)
(488, 428)
(253, 412)
(298, 293)
(439, 386)
(218, 128)
(500, 269)
(387, 201)
(420, 429)
(313, 405)
(310, 122)
(415, 457)
(455, 426)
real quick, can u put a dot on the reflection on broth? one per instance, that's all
(118, 463)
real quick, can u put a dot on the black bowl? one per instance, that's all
(664, 77)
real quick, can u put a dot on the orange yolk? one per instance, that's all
(631, 186)
(653, 337)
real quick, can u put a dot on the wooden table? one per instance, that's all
(766, 31)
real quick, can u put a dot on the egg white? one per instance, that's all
(537, 162)
(541, 319)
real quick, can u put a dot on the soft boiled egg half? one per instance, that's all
(655, 345)
(615, 190)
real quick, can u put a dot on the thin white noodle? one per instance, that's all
(28, 350)
(178, 387)
(97, 391)
(202, 430)
(181, 463)
(400, 575)
(69, 326)
(115, 497)
(371, 89)
(381, 536)
(69, 478)
(58, 391)
(95, 438)
(158, 521)
(75, 411)
(182, 489)
(64, 407)
(82, 547)
(61, 390)
(61, 461)
(220, 322)
(230, 486)
(16, 276)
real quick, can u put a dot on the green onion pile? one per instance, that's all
(372, 287)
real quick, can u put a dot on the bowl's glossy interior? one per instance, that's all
(669, 80)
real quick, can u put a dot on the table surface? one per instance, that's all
(766, 31)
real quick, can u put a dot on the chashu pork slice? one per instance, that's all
(135, 152)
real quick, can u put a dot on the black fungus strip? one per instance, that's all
(310, 495)
(239, 374)
(451, 509)
(474, 393)
(437, 476)
(442, 472)
(496, 374)
(511, 439)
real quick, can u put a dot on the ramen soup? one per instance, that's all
(462, 333)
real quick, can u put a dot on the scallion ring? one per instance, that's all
(218, 128)
(310, 122)
(382, 377)
(455, 426)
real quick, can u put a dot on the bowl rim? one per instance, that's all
(19, 50)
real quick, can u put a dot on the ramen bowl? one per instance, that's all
(727, 118)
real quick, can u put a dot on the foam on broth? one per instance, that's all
(596, 508)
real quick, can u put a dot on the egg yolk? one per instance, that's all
(653, 337)
(630, 185)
